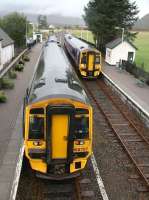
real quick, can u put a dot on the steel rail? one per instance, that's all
(78, 189)
(120, 110)
(115, 132)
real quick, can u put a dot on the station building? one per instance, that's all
(37, 36)
(6, 49)
(118, 50)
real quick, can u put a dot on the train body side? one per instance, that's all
(86, 58)
(57, 118)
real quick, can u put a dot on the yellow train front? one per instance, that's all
(86, 57)
(57, 118)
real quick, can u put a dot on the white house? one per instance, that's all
(119, 50)
(6, 49)
(1, 66)
(37, 36)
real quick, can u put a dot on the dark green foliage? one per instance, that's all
(14, 25)
(26, 58)
(12, 74)
(6, 83)
(19, 67)
(3, 97)
(42, 21)
(137, 72)
(21, 61)
(102, 17)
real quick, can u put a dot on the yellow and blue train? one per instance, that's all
(57, 118)
(86, 58)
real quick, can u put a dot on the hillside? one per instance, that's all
(56, 19)
(143, 23)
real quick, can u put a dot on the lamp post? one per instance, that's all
(123, 31)
(87, 35)
(32, 25)
(26, 31)
(81, 34)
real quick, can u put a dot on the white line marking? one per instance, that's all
(20, 159)
(99, 179)
(125, 94)
(17, 175)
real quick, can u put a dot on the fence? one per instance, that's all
(12, 64)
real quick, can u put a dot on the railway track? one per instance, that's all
(33, 188)
(129, 132)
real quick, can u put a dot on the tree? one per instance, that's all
(14, 25)
(42, 22)
(102, 18)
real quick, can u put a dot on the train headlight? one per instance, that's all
(79, 142)
(96, 66)
(83, 66)
(37, 143)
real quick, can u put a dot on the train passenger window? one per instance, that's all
(83, 60)
(97, 60)
(36, 127)
(82, 127)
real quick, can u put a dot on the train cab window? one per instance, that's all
(36, 127)
(97, 60)
(84, 59)
(37, 111)
(81, 127)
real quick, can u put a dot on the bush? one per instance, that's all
(21, 62)
(3, 97)
(138, 72)
(6, 83)
(12, 74)
(26, 58)
(19, 67)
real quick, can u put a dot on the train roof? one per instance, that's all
(55, 78)
(77, 43)
(52, 38)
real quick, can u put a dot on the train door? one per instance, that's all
(91, 58)
(59, 136)
(91, 63)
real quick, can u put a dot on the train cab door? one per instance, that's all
(59, 136)
(91, 61)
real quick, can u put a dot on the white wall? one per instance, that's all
(108, 55)
(35, 36)
(120, 53)
(1, 66)
(7, 54)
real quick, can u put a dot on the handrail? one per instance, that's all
(4, 71)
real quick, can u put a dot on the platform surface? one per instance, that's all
(11, 141)
(129, 84)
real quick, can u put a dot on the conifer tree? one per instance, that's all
(103, 16)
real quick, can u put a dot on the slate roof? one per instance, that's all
(6, 40)
(116, 42)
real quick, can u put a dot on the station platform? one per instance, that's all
(129, 85)
(11, 141)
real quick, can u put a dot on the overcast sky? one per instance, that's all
(63, 7)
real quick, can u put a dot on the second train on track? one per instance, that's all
(86, 58)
